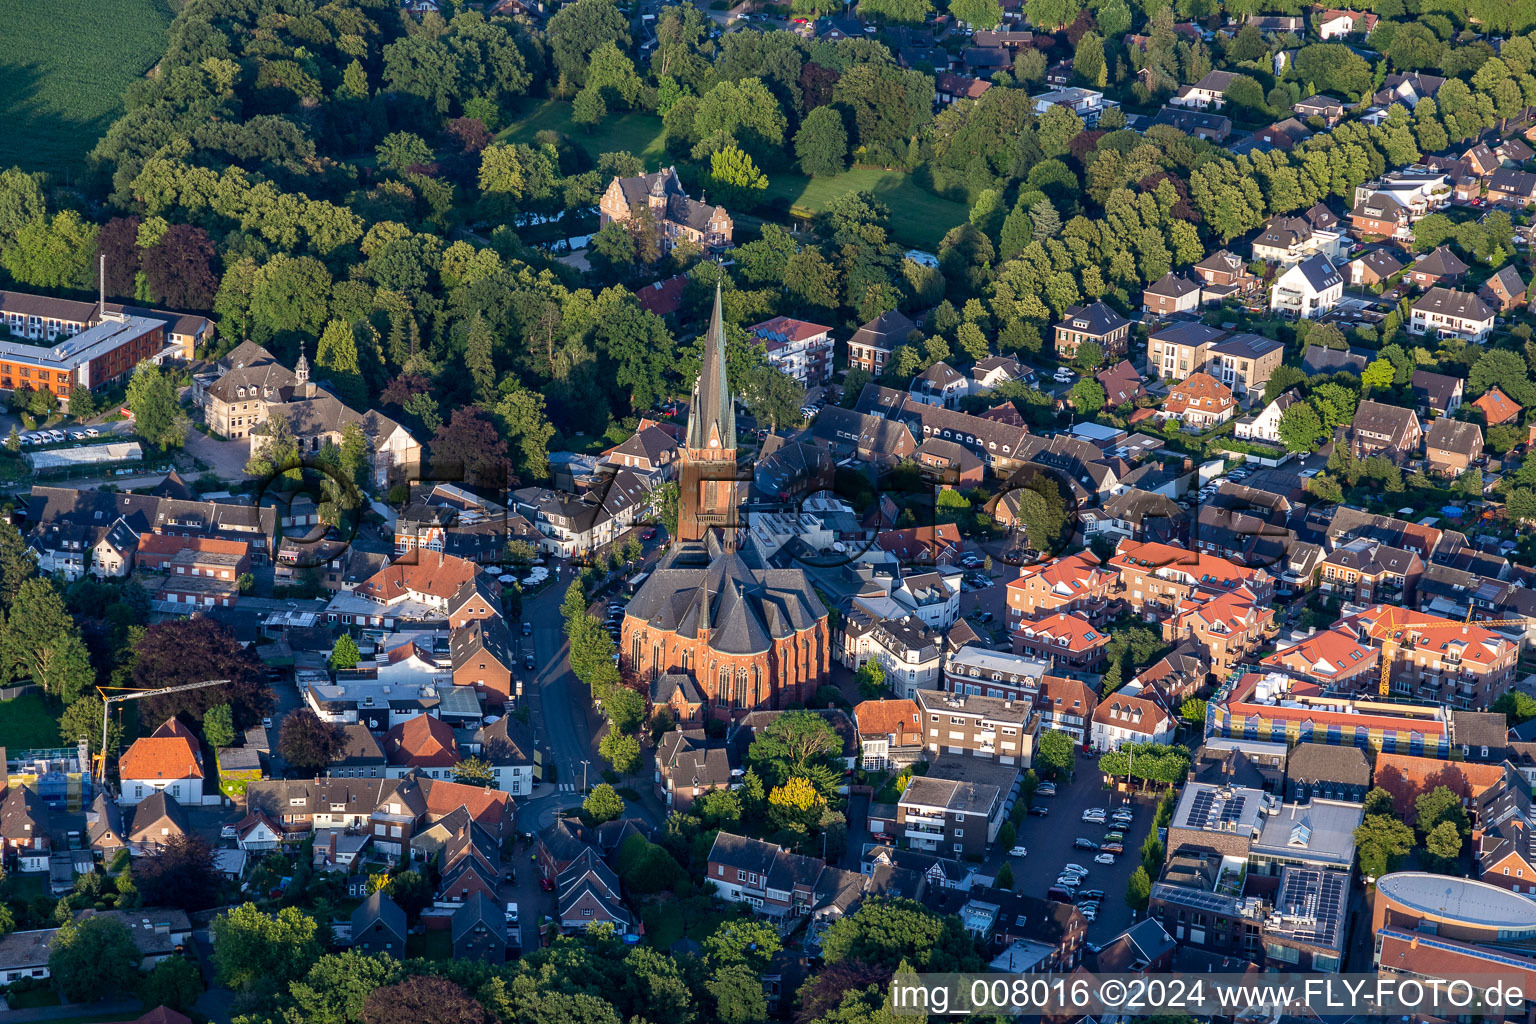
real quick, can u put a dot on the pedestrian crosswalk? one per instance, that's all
(567, 787)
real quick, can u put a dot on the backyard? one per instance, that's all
(63, 69)
(919, 218)
(28, 723)
(667, 923)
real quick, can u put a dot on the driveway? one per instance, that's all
(225, 459)
(1049, 842)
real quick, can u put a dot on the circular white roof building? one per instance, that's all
(1477, 905)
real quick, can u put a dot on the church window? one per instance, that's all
(634, 653)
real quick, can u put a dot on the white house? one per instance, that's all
(1088, 104)
(1121, 719)
(940, 384)
(908, 650)
(930, 597)
(1448, 313)
(1264, 425)
(169, 760)
(1207, 94)
(1307, 290)
(801, 349)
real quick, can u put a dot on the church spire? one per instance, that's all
(712, 419)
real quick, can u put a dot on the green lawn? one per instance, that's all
(918, 218)
(28, 723)
(639, 134)
(665, 923)
(63, 69)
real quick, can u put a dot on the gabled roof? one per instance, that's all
(170, 753)
(1095, 319)
(1450, 302)
(899, 719)
(1395, 422)
(1497, 407)
(1455, 436)
(422, 742)
(379, 908)
(1437, 390)
(1172, 286)
(157, 811)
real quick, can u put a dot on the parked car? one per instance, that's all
(1093, 895)
(1018, 851)
(227, 832)
(528, 661)
(1039, 811)
(527, 629)
(1114, 846)
(1046, 789)
(1084, 844)
(547, 884)
(92, 432)
(1076, 869)
(511, 913)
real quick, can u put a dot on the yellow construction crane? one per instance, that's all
(1389, 627)
(132, 693)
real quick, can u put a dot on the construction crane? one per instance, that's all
(1389, 627)
(133, 693)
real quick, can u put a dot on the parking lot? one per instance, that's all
(1049, 842)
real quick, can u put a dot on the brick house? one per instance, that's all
(677, 217)
(1332, 658)
(1388, 430)
(1452, 446)
(1069, 583)
(1095, 322)
(1226, 628)
(1440, 267)
(484, 655)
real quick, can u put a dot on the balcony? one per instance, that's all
(927, 822)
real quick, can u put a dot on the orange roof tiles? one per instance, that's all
(436, 575)
(1137, 714)
(896, 718)
(170, 544)
(170, 753)
(1497, 407)
(1171, 561)
(1408, 629)
(920, 541)
(489, 807)
(1077, 632)
(422, 742)
(1068, 575)
(1407, 777)
(1200, 393)
(1331, 654)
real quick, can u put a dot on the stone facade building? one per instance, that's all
(677, 216)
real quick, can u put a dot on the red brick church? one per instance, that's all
(712, 630)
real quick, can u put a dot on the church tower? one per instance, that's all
(708, 493)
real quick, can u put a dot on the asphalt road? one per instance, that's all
(1049, 842)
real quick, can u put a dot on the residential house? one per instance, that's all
(1069, 583)
(1436, 392)
(923, 545)
(663, 297)
(1444, 313)
(872, 439)
(949, 816)
(424, 743)
(1504, 290)
(1328, 772)
(949, 464)
(1264, 425)
(1207, 94)
(999, 444)
(1317, 359)
(1440, 266)
(170, 759)
(587, 893)
(1286, 134)
(484, 656)
(940, 384)
(1245, 362)
(1095, 322)
(104, 827)
(649, 451)
(1067, 705)
(1497, 407)
(1330, 110)
(379, 926)
(417, 588)
(1406, 89)
(1171, 293)
(1510, 187)
(906, 648)
(479, 929)
(508, 746)
(25, 830)
(1200, 402)
(1335, 659)
(949, 87)
(1290, 240)
(688, 765)
(1176, 350)
(1120, 719)
(1122, 384)
(157, 819)
(1198, 124)
(1452, 446)
(1365, 570)
(1088, 104)
(775, 882)
(1389, 430)
(1308, 289)
(1376, 267)
(1223, 274)
(872, 344)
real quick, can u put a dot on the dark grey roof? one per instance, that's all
(1327, 762)
(1096, 319)
(1247, 346)
(1187, 332)
(876, 400)
(744, 609)
(358, 748)
(743, 853)
(483, 637)
(506, 742)
(885, 331)
(690, 757)
(1515, 182)
(876, 434)
(1133, 506)
(158, 806)
(1172, 285)
(1382, 261)
(1509, 283)
(941, 374)
(1317, 359)
(1454, 436)
(1441, 262)
(712, 413)
(379, 908)
(1319, 272)
(479, 909)
(1190, 121)
(1450, 302)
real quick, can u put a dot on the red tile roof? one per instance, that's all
(1200, 393)
(170, 753)
(169, 544)
(422, 742)
(1407, 777)
(920, 541)
(1120, 711)
(785, 329)
(1497, 407)
(1331, 654)
(1080, 634)
(663, 297)
(489, 807)
(429, 573)
(896, 718)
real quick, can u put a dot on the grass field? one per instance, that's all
(918, 218)
(27, 723)
(63, 67)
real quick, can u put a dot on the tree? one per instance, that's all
(52, 252)
(795, 806)
(1440, 806)
(181, 873)
(1043, 512)
(469, 447)
(718, 808)
(1382, 840)
(179, 268)
(400, 151)
(337, 987)
(1056, 755)
(1087, 396)
(157, 414)
(1444, 844)
(250, 946)
(821, 144)
(307, 741)
(81, 720)
(1193, 711)
(42, 641)
(871, 678)
(1379, 801)
(344, 653)
(885, 932)
(979, 14)
(425, 999)
(174, 982)
(795, 743)
(577, 30)
(1379, 374)
(475, 771)
(1515, 705)
(336, 360)
(219, 726)
(742, 941)
(1300, 428)
(625, 708)
(181, 651)
(1138, 889)
(738, 183)
(622, 751)
(92, 959)
(18, 563)
(603, 804)
(739, 998)
(1004, 879)
(82, 406)
(1089, 356)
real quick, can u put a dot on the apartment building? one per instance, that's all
(1000, 729)
(1334, 659)
(1245, 362)
(890, 734)
(1067, 705)
(1451, 447)
(799, 348)
(1308, 289)
(972, 670)
(1176, 350)
(1071, 643)
(1070, 583)
(1366, 571)
(1095, 322)
(871, 345)
(1121, 718)
(1433, 658)
(955, 817)
(1155, 578)
(1226, 627)
(906, 648)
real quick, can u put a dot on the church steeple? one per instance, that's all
(712, 417)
